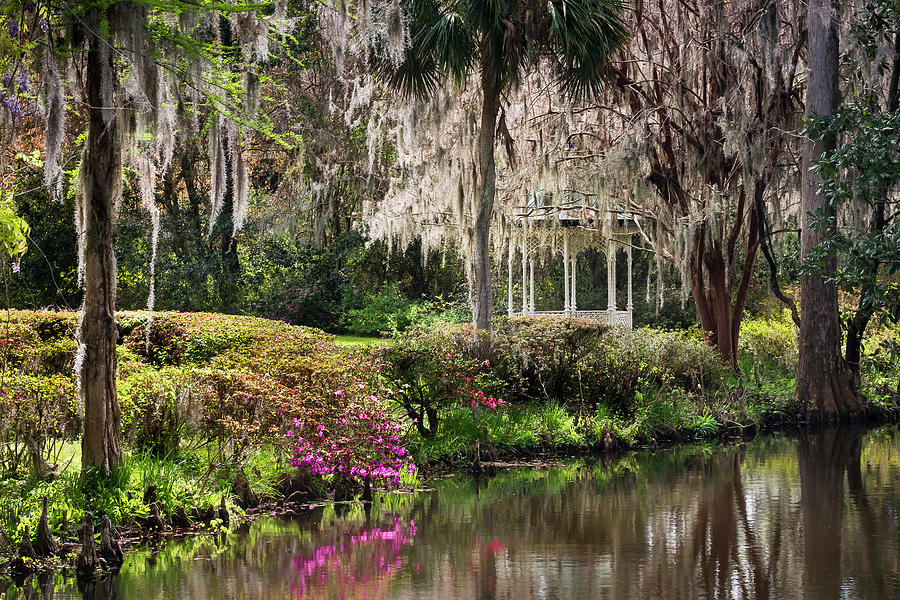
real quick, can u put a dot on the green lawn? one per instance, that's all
(357, 340)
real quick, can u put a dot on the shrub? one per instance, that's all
(39, 412)
(159, 407)
(768, 344)
(547, 357)
(565, 361)
(433, 368)
(384, 313)
(38, 342)
(359, 443)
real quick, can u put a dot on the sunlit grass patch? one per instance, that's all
(358, 340)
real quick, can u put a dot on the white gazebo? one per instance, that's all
(539, 230)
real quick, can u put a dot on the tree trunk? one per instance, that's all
(740, 300)
(721, 313)
(101, 181)
(822, 375)
(484, 297)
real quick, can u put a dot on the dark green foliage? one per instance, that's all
(304, 284)
(47, 274)
(865, 171)
(546, 358)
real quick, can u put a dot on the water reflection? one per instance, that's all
(813, 517)
(353, 563)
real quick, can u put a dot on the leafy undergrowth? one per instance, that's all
(211, 408)
(576, 386)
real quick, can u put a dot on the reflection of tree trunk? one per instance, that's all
(723, 534)
(101, 181)
(876, 556)
(101, 588)
(822, 462)
(760, 582)
(715, 532)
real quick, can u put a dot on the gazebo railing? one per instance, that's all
(616, 318)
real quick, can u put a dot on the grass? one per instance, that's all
(513, 430)
(539, 427)
(359, 341)
(187, 479)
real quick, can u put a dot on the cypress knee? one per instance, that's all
(110, 546)
(223, 513)
(25, 555)
(150, 495)
(155, 521)
(26, 550)
(88, 561)
(45, 545)
(180, 518)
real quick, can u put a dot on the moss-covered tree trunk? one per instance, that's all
(822, 377)
(101, 180)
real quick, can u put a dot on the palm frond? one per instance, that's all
(584, 35)
(419, 72)
(453, 43)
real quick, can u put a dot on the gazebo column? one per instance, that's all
(630, 305)
(531, 288)
(574, 304)
(610, 276)
(524, 276)
(509, 267)
(566, 307)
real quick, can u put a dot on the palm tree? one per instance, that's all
(503, 40)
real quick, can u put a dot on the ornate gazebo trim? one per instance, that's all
(575, 227)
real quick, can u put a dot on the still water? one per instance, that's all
(779, 517)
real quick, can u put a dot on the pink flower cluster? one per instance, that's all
(478, 397)
(360, 443)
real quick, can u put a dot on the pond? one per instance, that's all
(781, 517)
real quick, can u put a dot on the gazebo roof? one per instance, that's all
(575, 211)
